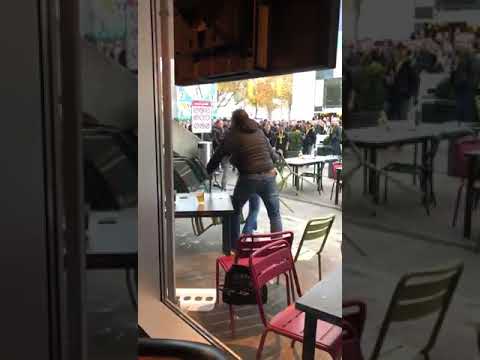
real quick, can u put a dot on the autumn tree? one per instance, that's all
(251, 94)
(266, 95)
(231, 91)
(284, 91)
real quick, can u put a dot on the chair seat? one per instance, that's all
(290, 322)
(403, 168)
(227, 261)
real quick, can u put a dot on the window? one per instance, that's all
(333, 93)
(324, 74)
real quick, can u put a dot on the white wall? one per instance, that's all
(303, 95)
(469, 16)
(381, 19)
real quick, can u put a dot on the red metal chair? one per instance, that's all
(354, 316)
(246, 245)
(266, 265)
(337, 179)
(459, 168)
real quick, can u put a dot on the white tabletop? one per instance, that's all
(308, 160)
(404, 132)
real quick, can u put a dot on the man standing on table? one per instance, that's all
(253, 156)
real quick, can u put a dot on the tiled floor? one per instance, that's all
(195, 268)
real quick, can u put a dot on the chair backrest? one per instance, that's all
(317, 229)
(364, 119)
(458, 166)
(418, 295)
(268, 263)
(247, 244)
(177, 349)
(336, 166)
(324, 150)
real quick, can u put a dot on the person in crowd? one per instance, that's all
(281, 140)
(403, 85)
(336, 137)
(254, 157)
(309, 139)
(465, 79)
(319, 127)
(267, 130)
(218, 136)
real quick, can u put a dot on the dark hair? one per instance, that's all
(242, 122)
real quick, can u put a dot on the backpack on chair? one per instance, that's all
(238, 288)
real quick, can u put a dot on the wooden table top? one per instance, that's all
(216, 204)
(324, 300)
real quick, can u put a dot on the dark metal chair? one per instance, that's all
(178, 349)
(417, 296)
(423, 171)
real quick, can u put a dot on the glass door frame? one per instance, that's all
(156, 250)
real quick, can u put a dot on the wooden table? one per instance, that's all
(318, 161)
(473, 157)
(322, 302)
(217, 204)
(398, 133)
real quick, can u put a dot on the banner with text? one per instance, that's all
(201, 116)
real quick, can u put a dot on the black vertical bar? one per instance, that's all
(365, 171)
(226, 234)
(309, 336)
(469, 197)
(73, 178)
(372, 176)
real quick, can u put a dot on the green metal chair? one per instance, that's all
(416, 296)
(317, 230)
(284, 172)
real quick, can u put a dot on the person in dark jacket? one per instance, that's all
(281, 140)
(254, 157)
(269, 133)
(309, 139)
(403, 85)
(465, 83)
(218, 135)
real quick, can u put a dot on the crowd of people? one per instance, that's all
(253, 148)
(289, 137)
(384, 76)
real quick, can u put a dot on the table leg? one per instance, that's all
(372, 176)
(309, 336)
(320, 176)
(415, 152)
(365, 171)
(226, 233)
(337, 188)
(467, 227)
(297, 177)
(294, 176)
(426, 196)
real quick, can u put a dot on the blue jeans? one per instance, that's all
(265, 187)
(253, 210)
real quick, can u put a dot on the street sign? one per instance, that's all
(201, 116)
